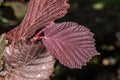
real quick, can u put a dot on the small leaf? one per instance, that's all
(40, 13)
(21, 53)
(70, 43)
(28, 60)
(39, 69)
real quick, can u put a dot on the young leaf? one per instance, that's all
(39, 69)
(28, 60)
(40, 13)
(21, 52)
(70, 43)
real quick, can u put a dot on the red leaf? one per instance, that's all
(70, 43)
(40, 13)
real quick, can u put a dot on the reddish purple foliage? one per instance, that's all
(70, 43)
(40, 13)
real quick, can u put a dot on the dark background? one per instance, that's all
(102, 17)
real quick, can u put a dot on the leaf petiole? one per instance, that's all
(37, 36)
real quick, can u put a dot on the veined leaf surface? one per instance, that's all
(40, 13)
(70, 43)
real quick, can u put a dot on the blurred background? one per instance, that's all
(102, 17)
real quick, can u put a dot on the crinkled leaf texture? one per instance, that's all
(70, 43)
(23, 57)
(28, 61)
(40, 13)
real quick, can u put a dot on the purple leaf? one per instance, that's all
(28, 61)
(70, 43)
(40, 13)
